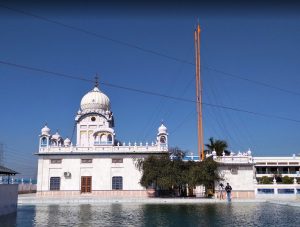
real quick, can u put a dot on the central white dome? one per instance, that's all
(95, 99)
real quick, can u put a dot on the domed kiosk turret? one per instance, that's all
(56, 140)
(45, 136)
(162, 136)
(45, 130)
(162, 129)
(67, 142)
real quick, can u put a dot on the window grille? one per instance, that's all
(54, 183)
(117, 183)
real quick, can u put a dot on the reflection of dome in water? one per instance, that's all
(95, 99)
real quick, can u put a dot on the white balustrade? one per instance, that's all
(105, 148)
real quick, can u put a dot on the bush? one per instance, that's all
(265, 180)
(287, 180)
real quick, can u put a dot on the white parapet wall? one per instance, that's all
(8, 198)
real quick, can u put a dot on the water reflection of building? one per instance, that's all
(99, 163)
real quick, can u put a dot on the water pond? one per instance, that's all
(235, 214)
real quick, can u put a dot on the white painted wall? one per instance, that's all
(243, 180)
(101, 169)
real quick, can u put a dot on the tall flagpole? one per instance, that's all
(199, 93)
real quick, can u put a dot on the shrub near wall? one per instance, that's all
(287, 180)
(265, 180)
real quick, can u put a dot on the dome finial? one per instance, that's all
(96, 80)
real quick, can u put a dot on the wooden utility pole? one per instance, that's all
(199, 93)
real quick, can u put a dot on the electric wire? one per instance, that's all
(165, 56)
(154, 93)
(206, 67)
(170, 111)
(212, 125)
(95, 34)
(223, 115)
(251, 80)
(218, 118)
(23, 162)
(158, 111)
(179, 125)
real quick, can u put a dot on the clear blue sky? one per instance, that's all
(261, 45)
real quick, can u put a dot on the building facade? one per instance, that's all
(270, 175)
(98, 164)
(245, 174)
(237, 170)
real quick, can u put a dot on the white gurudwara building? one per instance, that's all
(98, 164)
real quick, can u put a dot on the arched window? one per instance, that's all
(162, 139)
(60, 142)
(103, 138)
(109, 139)
(44, 142)
(97, 139)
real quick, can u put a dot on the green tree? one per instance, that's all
(218, 145)
(164, 174)
(154, 171)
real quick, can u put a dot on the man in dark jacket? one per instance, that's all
(228, 189)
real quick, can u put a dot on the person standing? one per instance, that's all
(221, 191)
(228, 189)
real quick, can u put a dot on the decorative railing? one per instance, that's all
(277, 189)
(233, 159)
(104, 148)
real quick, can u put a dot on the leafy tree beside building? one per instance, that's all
(168, 176)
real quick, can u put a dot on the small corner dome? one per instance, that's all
(249, 152)
(162, 129)
(95, 99)
(67, 141)
(45, 130)
(56, 136)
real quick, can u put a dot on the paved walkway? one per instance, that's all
(32, 199)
